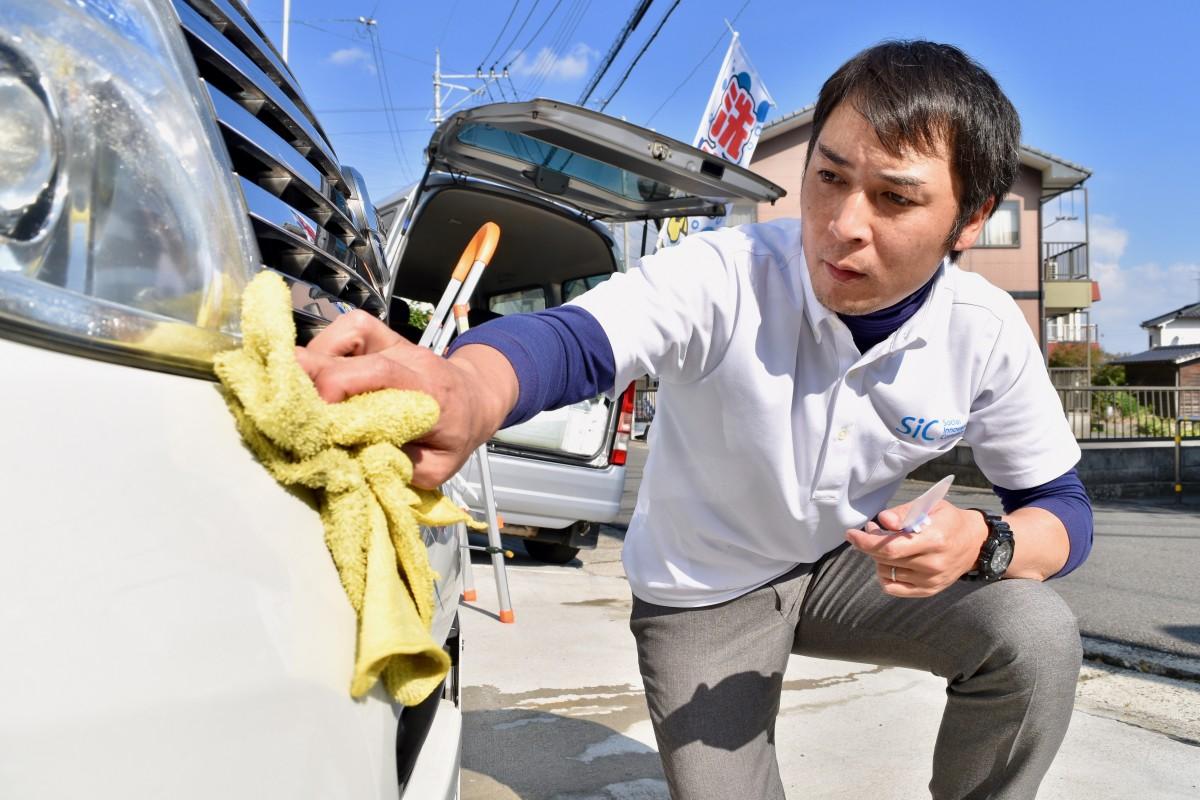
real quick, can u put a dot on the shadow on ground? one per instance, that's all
(1185, 633)
(588, 744)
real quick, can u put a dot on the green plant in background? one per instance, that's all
(1114, 404)
(1154, 426)
(1075, 355)
(1108, 374)
(419, 314)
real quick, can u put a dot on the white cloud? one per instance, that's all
(1132, 294)
(351, 55)
(1107, 240)
(569, 66)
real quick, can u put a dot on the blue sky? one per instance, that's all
(1112, 86)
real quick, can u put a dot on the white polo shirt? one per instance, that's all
(773, 435)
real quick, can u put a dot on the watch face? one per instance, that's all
(1001, 558)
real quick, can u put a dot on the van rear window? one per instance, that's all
(579, 167)
(577, 286)
(519, 302)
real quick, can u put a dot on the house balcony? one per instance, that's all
(1067, 334)
(1067, 282)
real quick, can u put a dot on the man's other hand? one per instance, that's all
(475, 389)
(925, 563)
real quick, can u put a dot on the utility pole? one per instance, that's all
(437, 86)
(491, 76)
(287, 14)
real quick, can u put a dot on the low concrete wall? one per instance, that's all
(1107, 469)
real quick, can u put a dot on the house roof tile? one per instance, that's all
(1190, 311)
(1172, 354)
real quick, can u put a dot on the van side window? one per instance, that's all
(577, 286)
(518, 302)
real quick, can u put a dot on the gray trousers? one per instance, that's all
(1009, 651)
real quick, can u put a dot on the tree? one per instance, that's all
(1108, 375)
(1075, 354)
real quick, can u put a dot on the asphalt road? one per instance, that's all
(1139, 585)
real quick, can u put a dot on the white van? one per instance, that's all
(550, 175)
(172, 623)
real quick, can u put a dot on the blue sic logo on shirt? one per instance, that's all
(931, 430)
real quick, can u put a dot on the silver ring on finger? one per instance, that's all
(893, 574)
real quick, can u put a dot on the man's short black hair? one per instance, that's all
(920, 95)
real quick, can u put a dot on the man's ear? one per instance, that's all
(974, 226)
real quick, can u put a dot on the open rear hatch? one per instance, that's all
(606, 169)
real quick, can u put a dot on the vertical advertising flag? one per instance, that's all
(730, 128)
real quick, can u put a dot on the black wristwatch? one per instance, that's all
(997, 551)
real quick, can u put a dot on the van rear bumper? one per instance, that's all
(544, 494)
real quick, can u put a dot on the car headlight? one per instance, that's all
(121, 232)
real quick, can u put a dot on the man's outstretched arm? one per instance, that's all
(495, 376)
(560, 356)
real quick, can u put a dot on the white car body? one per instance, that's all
(173, 624)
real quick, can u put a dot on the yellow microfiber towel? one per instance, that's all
(349, 453)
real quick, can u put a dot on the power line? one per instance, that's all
(641, 53)
(498, 35)
(309, 20)
(699, 64)
(636, 17)
(385, 91)
(513, 40)
(446, 27)
(512, 86)
(566, 31)
(372, 110)
(426, 129)
(439, 83)
(541, 68)
(537, 66)
(538, 31)
(309, 24)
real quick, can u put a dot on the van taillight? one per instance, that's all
(624, 428)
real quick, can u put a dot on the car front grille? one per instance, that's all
(314, 223)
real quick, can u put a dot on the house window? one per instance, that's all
(1004, 228)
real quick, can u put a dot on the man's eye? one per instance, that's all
(826, 176)
(898, 199)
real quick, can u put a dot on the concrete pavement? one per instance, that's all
(554, 707)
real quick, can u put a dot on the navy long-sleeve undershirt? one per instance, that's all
(562, 355)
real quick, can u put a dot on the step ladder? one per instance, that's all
(437, 337)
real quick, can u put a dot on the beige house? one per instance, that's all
(1049, 280)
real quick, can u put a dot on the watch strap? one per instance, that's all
(998, 531)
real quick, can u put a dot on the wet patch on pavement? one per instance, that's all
(589, 743)
(602, 602)
(806, 684)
